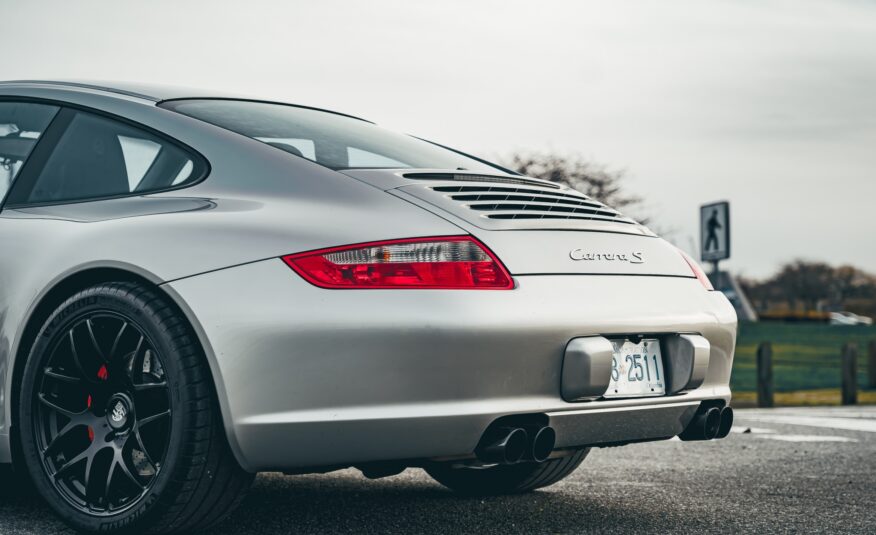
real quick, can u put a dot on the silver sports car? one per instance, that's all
(196, 288)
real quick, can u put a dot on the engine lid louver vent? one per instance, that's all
(509, 203)
(463, 177)
(493, 201)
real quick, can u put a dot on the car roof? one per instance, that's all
(152, 92)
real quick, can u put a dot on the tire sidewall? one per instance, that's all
(114, 300)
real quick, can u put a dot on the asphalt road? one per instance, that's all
(794, 471)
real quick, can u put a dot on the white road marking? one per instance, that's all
(848, 424)
(746, 429)
(809, 438)
(819, 412)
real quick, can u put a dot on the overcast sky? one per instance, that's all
(768, 104)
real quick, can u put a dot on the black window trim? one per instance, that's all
(18, 192)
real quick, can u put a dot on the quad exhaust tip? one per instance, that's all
(542, 444)
(712, 423)
(709, 423)
(503, 445)
(509, 445)
(726, 422)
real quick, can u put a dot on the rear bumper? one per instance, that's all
(310, 377)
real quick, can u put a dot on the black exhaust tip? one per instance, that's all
(704, 426)
(726, 422)
(713, 423)
(543, 441)
(503, 445)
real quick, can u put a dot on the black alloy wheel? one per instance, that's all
(102, 415)
(118, 418)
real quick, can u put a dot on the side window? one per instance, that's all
(97, 157)
(21, 125)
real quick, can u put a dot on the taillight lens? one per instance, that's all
(697, 270)
(447, 262)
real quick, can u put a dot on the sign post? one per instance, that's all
(715, 233)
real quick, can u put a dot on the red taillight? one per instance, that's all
(698, 271)
(446, 262)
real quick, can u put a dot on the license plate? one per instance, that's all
(636, 370)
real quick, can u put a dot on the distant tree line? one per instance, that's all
(804, 286)
(592, 179)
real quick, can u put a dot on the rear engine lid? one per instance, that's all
(502, 201)
(535, 226)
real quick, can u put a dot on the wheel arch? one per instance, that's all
(66, 286)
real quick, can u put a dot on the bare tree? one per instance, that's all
(594, 180)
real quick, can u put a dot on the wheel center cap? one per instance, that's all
(119, 411)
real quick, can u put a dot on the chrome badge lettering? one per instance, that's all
(634, 257)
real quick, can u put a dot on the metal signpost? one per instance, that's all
(715, 233)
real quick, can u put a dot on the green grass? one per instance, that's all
(805, 356)
(798, 398)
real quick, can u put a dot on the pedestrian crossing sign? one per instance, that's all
(715, 231)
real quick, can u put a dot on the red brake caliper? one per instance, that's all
(102, 374)
(90, 430)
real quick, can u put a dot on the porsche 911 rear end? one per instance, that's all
(531, 324)
(284, 288)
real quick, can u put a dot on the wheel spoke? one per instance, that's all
(51, 372)
(60, 436)
(109, 481)
(89, 464)
(133, 359)
(120, 461)
(90, 327)
(142, 448)
(115, 347)
(70, 464)
(150, 419)
(57, 408)
(76, 359)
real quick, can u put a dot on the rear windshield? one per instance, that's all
(330, 139)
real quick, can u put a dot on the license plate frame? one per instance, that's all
(637, 369)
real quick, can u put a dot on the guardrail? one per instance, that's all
(848, 373)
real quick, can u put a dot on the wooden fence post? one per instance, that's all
(765, 375)
(871, 364)
(849, 374)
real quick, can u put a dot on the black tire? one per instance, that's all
(505, 479)
(194, 483)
